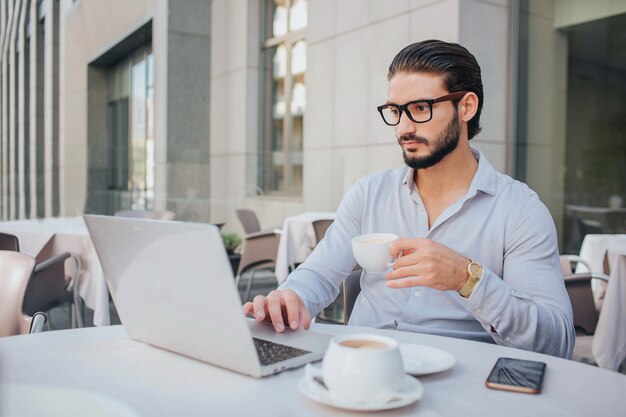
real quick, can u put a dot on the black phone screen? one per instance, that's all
(517, 375)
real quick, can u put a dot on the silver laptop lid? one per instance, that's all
(173, 287)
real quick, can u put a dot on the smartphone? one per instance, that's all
(517, 375)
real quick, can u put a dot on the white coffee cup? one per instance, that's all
(362, 368)
(371, 251)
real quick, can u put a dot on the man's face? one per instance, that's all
(424, 144)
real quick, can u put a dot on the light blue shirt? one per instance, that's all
(500, 223)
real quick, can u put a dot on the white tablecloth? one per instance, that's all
(157, 383)
(594, 248)
(297, 241)
(43, 238)
(609, 341)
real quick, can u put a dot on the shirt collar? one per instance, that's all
(484, 179)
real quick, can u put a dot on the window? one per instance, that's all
(571, 111)
(131, 138)
(284, 97)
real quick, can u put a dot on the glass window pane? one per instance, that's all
(284, 98)
(138, 138)
(271, 169)
(298, 105)
(571, 111)
(298, 57)
(298, 15)
(280, 18)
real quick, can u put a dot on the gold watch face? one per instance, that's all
(475, 269)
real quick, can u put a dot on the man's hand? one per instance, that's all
(279, 306)
(422, 262)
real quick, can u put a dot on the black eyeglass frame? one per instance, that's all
(404, 108)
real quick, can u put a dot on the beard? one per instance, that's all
(444, 143)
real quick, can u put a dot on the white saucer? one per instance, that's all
(412, 391)
(422, 360)
(44, 400)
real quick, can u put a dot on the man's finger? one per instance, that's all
(274, 309)
(247, 308)
(411, 281)
(405, 245)
(305, 317)
(292, 304)
(259, 307)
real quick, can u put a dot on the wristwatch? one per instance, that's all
(475, 272)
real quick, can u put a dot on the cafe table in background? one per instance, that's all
(593, 250)
(297, 241)
(43, 238)
(81, 368)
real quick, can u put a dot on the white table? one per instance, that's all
(593, 250)
(297, 241)
(609, 341)
(156, 382)
(43, 238)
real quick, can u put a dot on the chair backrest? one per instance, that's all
(15, 271)
(249, 220)
(260, 250)
(147, 214)
(580, 292)
(9, 242)
(578, 288)
(351, 290)
(569, 262)
(320, 227)
(47, 287)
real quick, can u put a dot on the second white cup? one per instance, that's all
(362, 368)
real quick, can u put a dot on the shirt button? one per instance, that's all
(479, 311)
(508, 339)
(417, 293)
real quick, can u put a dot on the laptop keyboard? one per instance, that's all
(270, 352)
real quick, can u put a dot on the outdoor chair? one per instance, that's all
(351, 290)
(320, 227)
(51, 286)
(15, 271)
(249, 220)
(339, 311)
(39, 320)
(260, 251)
(9, 242)
(147, 214)
(580, 292)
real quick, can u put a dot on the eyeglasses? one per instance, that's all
(418, 111)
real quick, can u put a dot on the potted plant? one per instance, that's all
(232, 242)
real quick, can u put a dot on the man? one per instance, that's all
(477, 257)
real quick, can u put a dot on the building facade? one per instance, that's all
(205, 106)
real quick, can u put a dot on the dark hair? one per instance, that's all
(457, 65)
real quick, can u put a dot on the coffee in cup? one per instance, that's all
(362, 368)
(371, 251)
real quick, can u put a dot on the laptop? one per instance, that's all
(173, 287)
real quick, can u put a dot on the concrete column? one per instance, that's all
(36, 138)
(51, 108)
(23, 108)
(6, 148)
(97, 155)
(19, 127)
(188, 82)
(12, 125)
